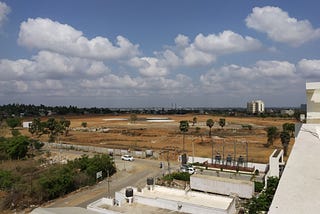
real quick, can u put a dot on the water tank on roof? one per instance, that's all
(129, 192)
(150, 181)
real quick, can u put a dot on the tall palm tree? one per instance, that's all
(285, 139)
(222, 122)
(272, 133)
(210, 123)
(184, 127)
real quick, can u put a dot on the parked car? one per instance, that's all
(127, 158)
(188, 169)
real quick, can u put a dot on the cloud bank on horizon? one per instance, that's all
(67, 67)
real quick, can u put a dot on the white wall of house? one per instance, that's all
(224, 186)
(313, 102)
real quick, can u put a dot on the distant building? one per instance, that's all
(289, 112)
(255, 107)
(26, 124)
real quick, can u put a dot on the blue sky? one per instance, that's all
(158, 53)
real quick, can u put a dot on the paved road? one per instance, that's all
(128, 174)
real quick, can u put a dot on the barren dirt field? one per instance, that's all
(119, 132)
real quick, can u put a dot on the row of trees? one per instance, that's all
(184, 127)
(287, 132)
(42, 110)
(52, 127)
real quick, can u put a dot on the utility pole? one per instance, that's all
(168, 161)
(108, 182)
(212, 152)
(192, 151)
(234, 151)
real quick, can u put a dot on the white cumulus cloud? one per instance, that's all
(149, 66)
(275, 68)
(263, 76)
(309, 68)
(45, 34)
(181, 40)
(204, 50)
(48, 65)
(192, 56)
(226, 42)
(280, 27)
(4, 11)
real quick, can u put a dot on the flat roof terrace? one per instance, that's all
(159, 199)
(197, 198)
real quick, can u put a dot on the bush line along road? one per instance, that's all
(128, 174)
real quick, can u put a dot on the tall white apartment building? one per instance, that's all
(255, 106)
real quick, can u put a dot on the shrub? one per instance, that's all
(263, 201)
(57, 182)
(258, 186)
(183, 176)
(6, 179)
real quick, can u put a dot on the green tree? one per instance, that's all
(285, 139)
(13, 122)
(37, 127)
(17, 147)
(15, 132)
(36, 144)
(289, 127)
(210, 123)
(65, 125)
(133, 118)
(194, 121)
(184, 127)
(84, 124)
(57, 182)
(263, 201)
(222, 122)
(93, 165)
(53, 128)
(272, 133)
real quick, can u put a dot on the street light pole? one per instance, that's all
(108, 181)
(192, 151)
(212, 152)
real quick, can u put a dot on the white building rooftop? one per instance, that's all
(191, 197)
(299, 187)
(159, 199)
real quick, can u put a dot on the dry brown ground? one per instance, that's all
(156, 136)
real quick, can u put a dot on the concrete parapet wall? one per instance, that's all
(95, 206)
(224, 186)
(140, 154)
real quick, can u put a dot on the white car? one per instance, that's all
(127, 158)
(188, 169)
